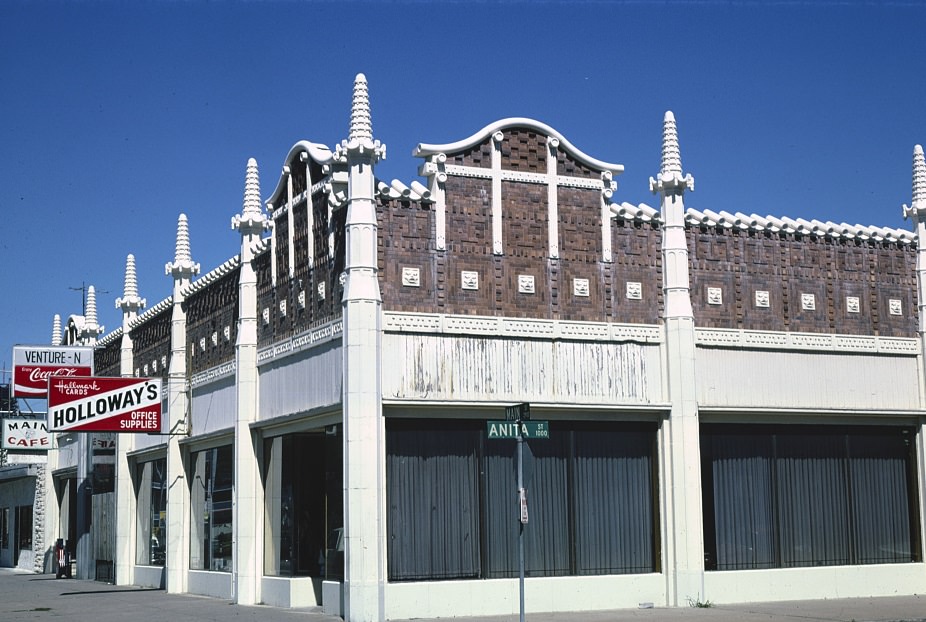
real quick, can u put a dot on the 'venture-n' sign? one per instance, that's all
(104, 404)
(34, 365)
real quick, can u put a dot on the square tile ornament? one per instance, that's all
(580, 287)
(469, 279)
(526, 283)
(411, 277)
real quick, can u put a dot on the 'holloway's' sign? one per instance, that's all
(33, 366)
(104, 404)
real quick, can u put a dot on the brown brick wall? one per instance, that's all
(479, 156)
(788, 266)
(327, 270)
(406, 241)
(523, 150)
(151, 342)
(106, 361)
(636, 250)
(567, 165)
(209, 311)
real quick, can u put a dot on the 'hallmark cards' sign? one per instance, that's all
(104, 404)
(33, 366)
(25, 433)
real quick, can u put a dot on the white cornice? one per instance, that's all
(151, 312)
(782, 224)
(398, 322)
(105, 341)
(778, 340)
(303, 341)
(211, 277)
(424, 150)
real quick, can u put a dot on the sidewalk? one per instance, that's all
(26, 596)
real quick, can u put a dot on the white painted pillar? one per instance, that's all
(917, 211)
(247, 505)
(178, 490)
(680, 442)
(364, 480)
(126, 503)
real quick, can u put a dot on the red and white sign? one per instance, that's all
(25, 433)
(104, 404)
(34, 365)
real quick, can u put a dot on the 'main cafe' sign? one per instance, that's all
(25, 433)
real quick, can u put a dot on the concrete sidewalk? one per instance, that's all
(26, 596)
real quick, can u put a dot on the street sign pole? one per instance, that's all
(518, 425)
(521, 501)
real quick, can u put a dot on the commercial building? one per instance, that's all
(735, 403)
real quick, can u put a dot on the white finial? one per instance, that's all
(671, 155)
(183, 262)
(252, 218)
(182, 253)
(361, 123)
(919, 175)
(56, 331)
(91, 306)
(130, 300)
(918, 205)
(670, 173)
(131, 281)
(251, 191)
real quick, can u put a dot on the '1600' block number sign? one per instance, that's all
(104, 404)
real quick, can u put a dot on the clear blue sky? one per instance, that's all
(118, 116)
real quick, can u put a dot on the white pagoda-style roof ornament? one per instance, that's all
(917, 208)
(670, 174)
(252, 216)
(360, 134)
(130, 300)
(91, 328)
(361, 122)
(56, 331)
(182, 265)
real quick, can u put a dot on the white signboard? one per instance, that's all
(104, 404)
(34, 365)
(27, 433)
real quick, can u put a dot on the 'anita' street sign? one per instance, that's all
(34, 365)
(104, 404)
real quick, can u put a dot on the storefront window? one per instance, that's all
(790, 495)
(451, 501)
(211, 521)
(24, 527)
(5, 528)
(302, 509)
(152, 513)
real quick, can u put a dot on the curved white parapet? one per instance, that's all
(424, 150)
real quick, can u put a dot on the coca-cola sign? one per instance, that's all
(34, 365)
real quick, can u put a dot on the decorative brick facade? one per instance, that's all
(808, 282)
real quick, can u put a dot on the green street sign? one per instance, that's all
(525, 429)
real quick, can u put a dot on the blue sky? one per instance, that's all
(115, 117)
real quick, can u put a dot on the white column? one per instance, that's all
(178, 489)
(247, 506)
(680, 442)
(364, 481)
(126, 503)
